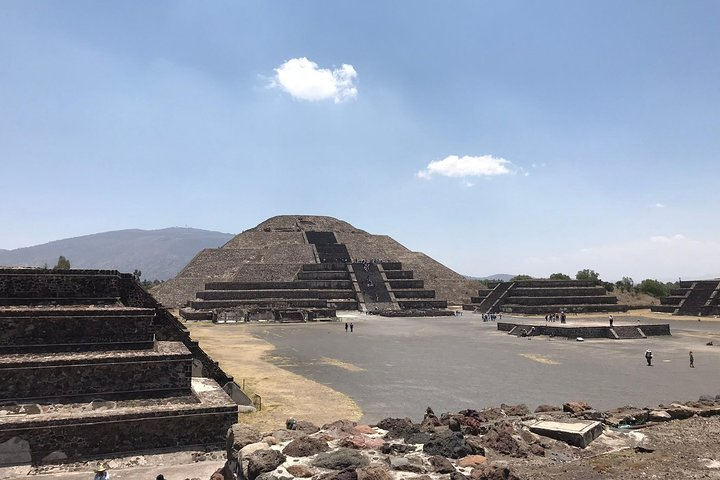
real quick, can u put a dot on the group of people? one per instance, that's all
(491, 317)
(368, 262)
(554, 317)
(349, 326)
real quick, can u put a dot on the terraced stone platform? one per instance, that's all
(319, 264)
(539, 297)
(617, 332)
(82, 379)
(698, 297)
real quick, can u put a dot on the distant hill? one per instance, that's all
(503, 277)
(158, 254)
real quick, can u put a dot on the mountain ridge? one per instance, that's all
(159, 254)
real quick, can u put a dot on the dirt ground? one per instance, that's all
(283, 393)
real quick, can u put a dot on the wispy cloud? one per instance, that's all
(304, 80)
(468, 166)
(659, 205)
(663, 239)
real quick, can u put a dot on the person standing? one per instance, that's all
(346, 326)
(648, 357)
(611, 321)
(351, 327)
(101, 472)
(692, 360)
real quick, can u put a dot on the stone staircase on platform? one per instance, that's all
(627, 332)
(83, 374)
(701, 298)
(318, 291)
(539, 297)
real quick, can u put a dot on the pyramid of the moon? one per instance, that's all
(314, 262)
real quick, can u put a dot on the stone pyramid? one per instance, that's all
(284, 249)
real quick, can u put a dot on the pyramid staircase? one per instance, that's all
(538, 297)
(318, 290)
(700, 297)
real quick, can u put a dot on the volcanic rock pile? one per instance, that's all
(488, 444)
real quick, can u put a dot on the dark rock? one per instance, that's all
(641, 449)
(476, 444)
(515, 410)
(307, 427)
(500, 439)
(300, 471)
(398, 427)
(340, 459)
(263, 461)
(389, 448)
(536, 449)
(417, 437)
(451, 445)
(458, 476)
(473, 426)
(305, 447)
(270, 476)
(239, 435)
(403, 464)
(373, 472)
(441, 464)
(341, 426)
(345, 474)
(547, 408)
(576, 407)
(493, 472)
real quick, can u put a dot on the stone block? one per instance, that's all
(579, 433)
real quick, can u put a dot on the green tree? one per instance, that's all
(559, 276)
(609, 286)
(653, 287)
(62, 264)
(521, 277)
(588, 274)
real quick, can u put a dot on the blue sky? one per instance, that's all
(508, 136)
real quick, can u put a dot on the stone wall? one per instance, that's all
(120, 434)
(38, 327)
(50, 284)
(579, 331)
(80, 379)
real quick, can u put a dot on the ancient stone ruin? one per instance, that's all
(540, 297)
(697, 297)
(91, 365)
(307, 268)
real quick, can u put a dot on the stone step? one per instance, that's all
(58, 301)
(399, 274)
(298, 284)
(558, 291)
(82, 430)
(543, 309)
(413, 293)
(260, 294)
(73, 329)
(324, 275)
(421, 303)
(339, 304)
(400, 284)
(516, 300)
(69, 376)
(318, 267)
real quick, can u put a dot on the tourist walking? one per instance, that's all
(351, 327)
(692, 360)
(346, 326)
(648, 357)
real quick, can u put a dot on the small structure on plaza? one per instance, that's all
(304, 268)
(696, 297)
(575, 330)
(539, 297)
(91, 365)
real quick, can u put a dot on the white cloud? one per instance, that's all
(659, 205)
(664, 239)
(302, 79)
(468, 166)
